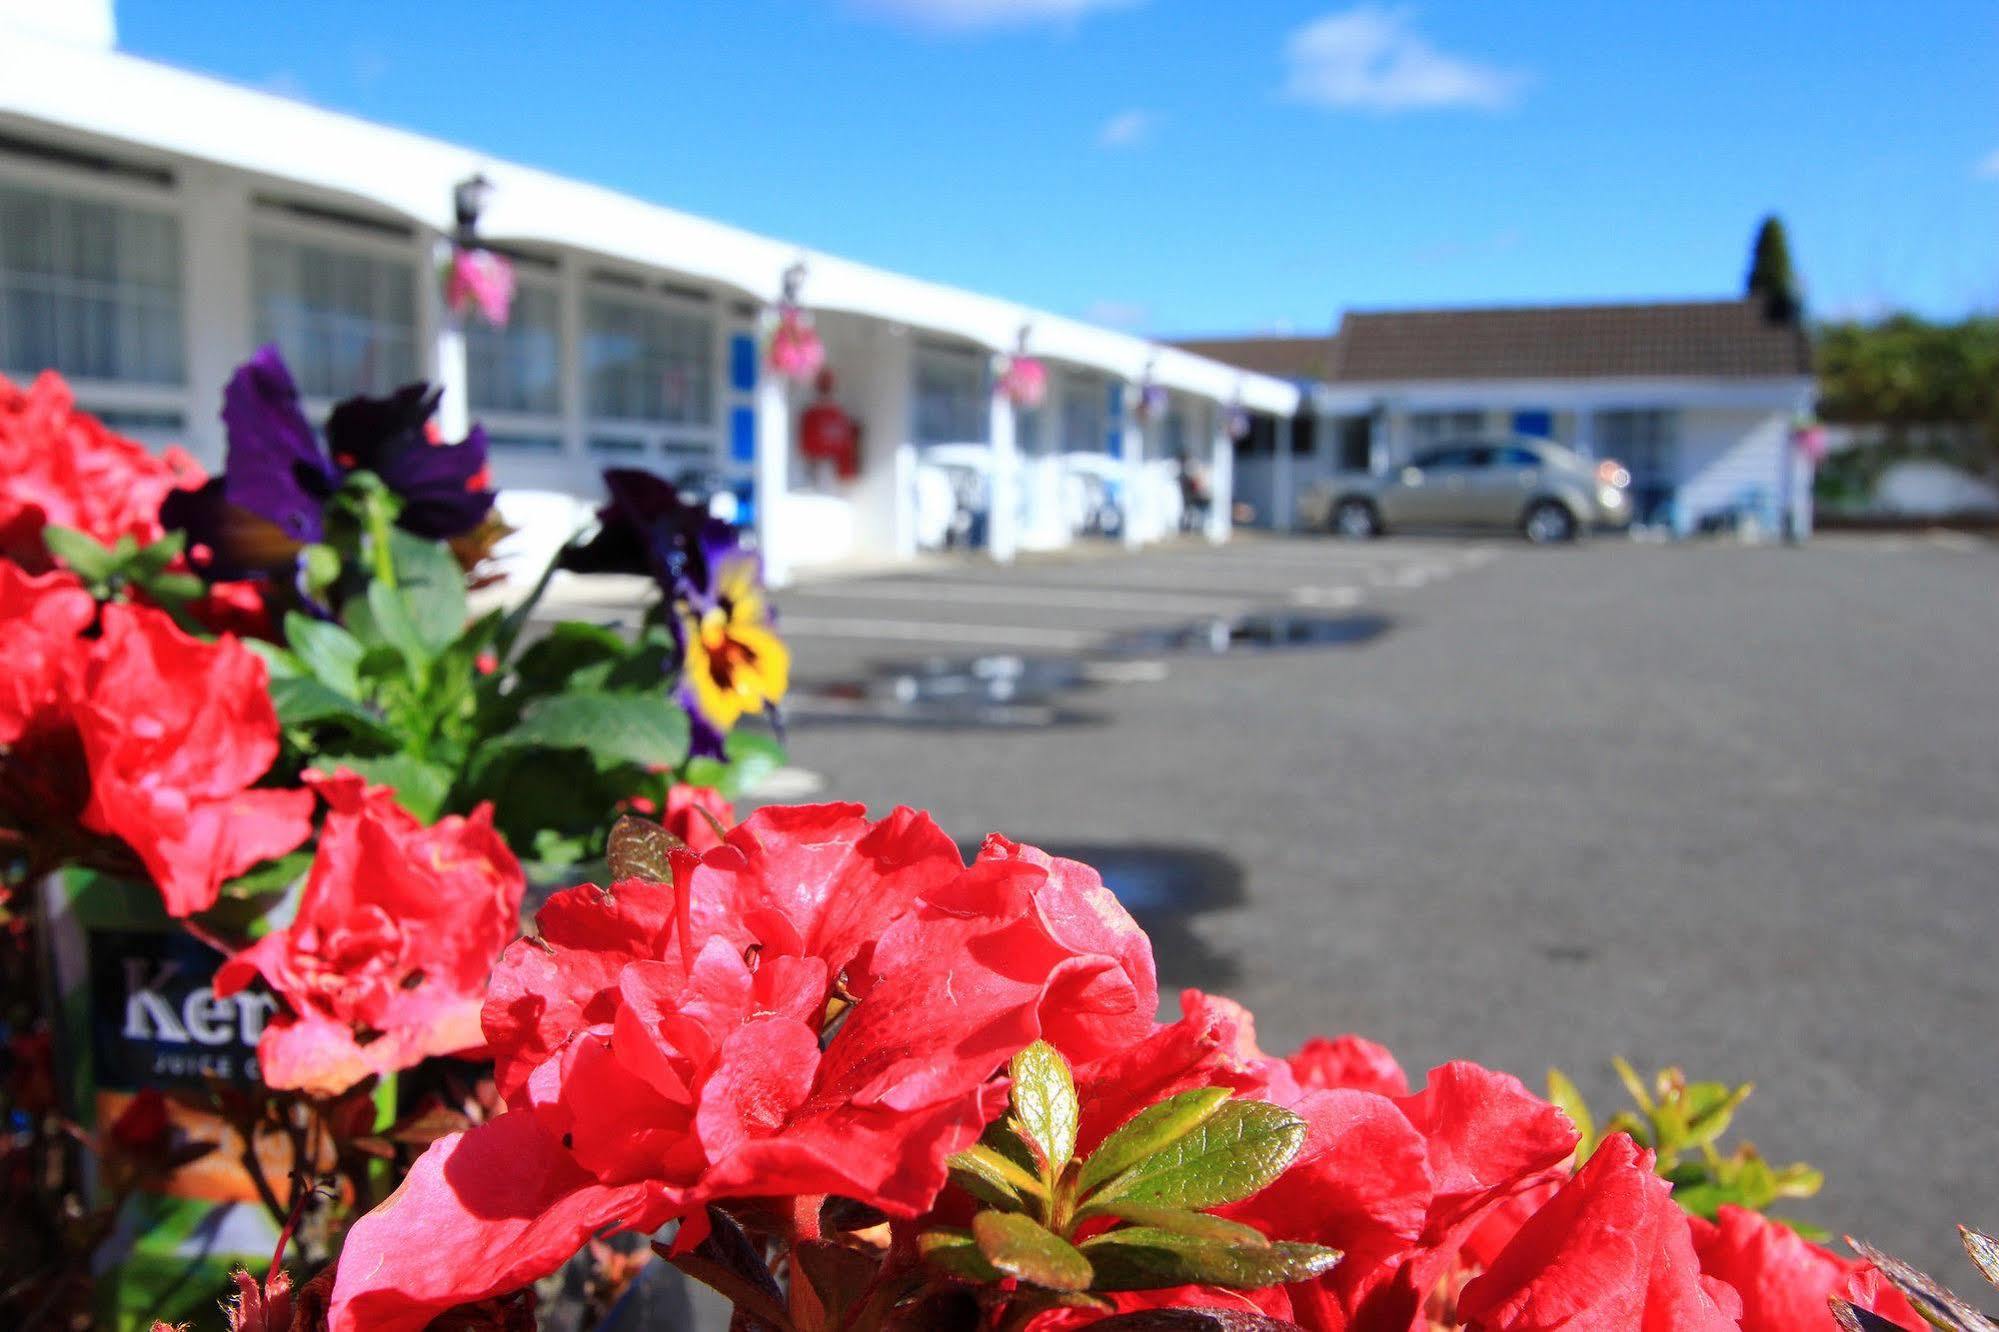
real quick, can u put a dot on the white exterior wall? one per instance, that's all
(1733, 458)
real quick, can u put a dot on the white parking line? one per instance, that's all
(1341, 596)
(1011, 593)
(931, 631)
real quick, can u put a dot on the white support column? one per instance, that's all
(1131, 435)
(1284, 501)
(569, 369)
(221, 329)
(1221, 477)
(1053, 490)
(1003, 520)
(773, 464)
(443, 335)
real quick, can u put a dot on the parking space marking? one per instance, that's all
(931, 631)
(1010, 593)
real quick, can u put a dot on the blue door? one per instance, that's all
(1538, 423)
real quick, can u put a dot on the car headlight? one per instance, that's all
(1610, 497)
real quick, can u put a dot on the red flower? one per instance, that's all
(1611, 1251)
(59, 465)
(175, 730)
(1785, 1280)
(396, 933)
(1348, 1062)
(685, 809)
(1401, 1184)
(646, 1075)
(42, 620)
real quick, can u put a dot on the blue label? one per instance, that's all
(742, 362)
(742, 434)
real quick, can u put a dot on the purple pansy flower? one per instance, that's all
(732, 660)
(270, 501)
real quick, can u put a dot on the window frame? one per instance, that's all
(619, 441)
(291, 228)
(130, 192)
(509, 429)
(957, 356)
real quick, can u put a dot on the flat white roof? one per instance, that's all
(153, 106)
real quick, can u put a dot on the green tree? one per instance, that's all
(1772, 278)
(1931, 388)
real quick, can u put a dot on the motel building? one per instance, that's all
(1699, 400)
(157, 225)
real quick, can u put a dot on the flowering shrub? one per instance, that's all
(879, 1087)
(394, 934)
(263, 699)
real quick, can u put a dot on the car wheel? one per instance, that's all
(1549, 522)
(1356, 520)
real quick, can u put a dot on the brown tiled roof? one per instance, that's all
(1284, 358)
(1690, 339)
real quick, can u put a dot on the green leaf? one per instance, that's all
(273, 876)
(331, 653)
(420, 787)
(151, 561)
(1569, 1100)
(1234, 1152)
(383, 618)
(1021, 1247)
(88, 558)
(1044, 1101)
(956, 1253)
(301, 701)
(433, 586)
(750, 756)
(1141, 1258)
(1150, 1131)
(641, 849)
(551, 662)
(281, 664)
(1708, 1107)
(990, 1177)
(1195, 1225)
(644, 729)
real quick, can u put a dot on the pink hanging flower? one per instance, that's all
(796, 353)
(1024, 381)
(1810, 441)
(483, 280)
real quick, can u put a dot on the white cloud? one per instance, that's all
(1372, 59)
(1990, 166)
(1127, 315)
(1126, 129)
(967, 15)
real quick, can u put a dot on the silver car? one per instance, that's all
(1535, 487)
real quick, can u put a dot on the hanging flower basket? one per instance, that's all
(478, 279)
(796, 353)
(1024, 381)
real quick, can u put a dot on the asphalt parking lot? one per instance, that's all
(1723, 806)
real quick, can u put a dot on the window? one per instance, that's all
(1427, 428)
(345, 317)
(951, 405)
(517, 369)
(1640, 438)
(1516, 456)
(89, 288)
(1086, 414)
(647, 360)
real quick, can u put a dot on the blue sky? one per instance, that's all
(1202, 166)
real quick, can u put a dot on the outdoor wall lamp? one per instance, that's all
(468, 199)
